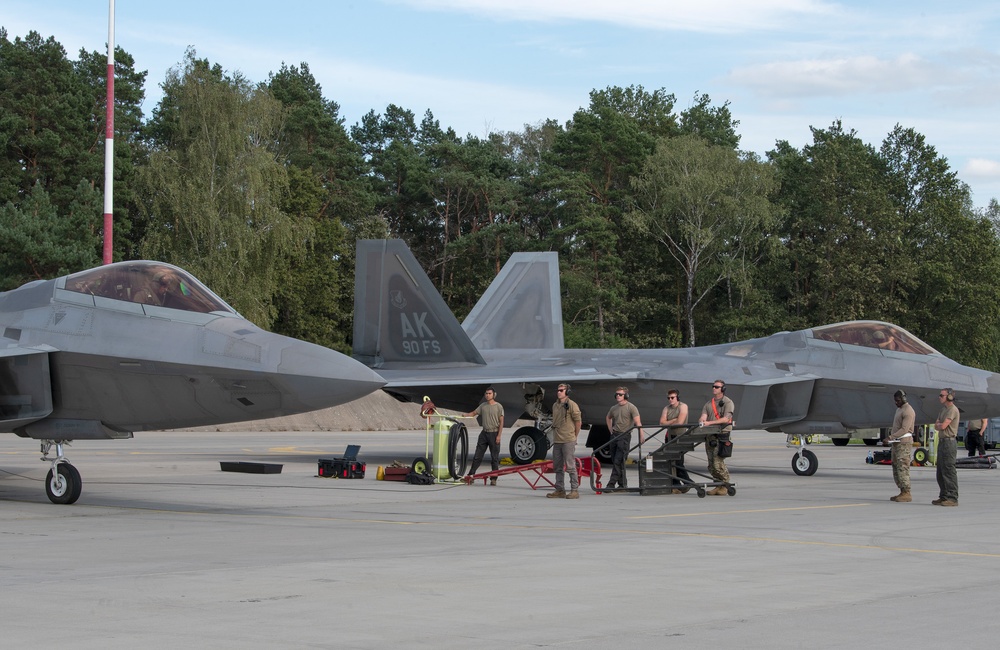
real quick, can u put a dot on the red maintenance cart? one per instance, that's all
(535, 473)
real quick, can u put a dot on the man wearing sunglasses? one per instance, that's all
(676, 412)
(718, 411)
(620, 420)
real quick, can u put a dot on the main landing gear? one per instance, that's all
(528, 444)
(63, 483)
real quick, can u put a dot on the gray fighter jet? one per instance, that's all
(828, 380)
(136, 346)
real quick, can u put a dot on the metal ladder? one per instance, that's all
(662, 472)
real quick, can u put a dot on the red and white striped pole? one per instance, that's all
(109, 141)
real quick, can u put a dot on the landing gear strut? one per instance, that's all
(804, 462)
(63, 483)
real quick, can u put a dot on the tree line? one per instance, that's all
(668, 234)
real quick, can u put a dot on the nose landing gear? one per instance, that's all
(63, 484)
(804, 462)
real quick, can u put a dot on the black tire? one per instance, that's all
(872, 442)
(541, 446)
(840, 442)
(63, 487)
(805, 464)
(524, 445)
(731, 491)
(919, 456)
(598, 436)
(458, 450)
(421, 465)
(701, 493)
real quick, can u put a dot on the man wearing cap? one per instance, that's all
(901, 440)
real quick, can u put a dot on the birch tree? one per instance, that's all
(708, 207)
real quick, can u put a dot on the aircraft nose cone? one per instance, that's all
(320, 377)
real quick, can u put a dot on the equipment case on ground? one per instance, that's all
(347, 467)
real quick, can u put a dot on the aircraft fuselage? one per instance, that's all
(79, 364)
(789, 381)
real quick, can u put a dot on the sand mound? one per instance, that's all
(376, 412)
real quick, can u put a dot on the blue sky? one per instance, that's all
(490, 65)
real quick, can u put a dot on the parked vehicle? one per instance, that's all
(871, 437)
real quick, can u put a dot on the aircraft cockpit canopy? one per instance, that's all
(873, 334)
(148, 283)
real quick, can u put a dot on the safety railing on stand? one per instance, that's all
(662, 471)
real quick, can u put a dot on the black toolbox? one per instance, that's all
(347, 467)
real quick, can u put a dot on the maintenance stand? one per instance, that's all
(662, 471)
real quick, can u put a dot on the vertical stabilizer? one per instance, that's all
(521, 308)
(399, 317)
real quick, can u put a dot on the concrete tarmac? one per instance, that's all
(165, 550)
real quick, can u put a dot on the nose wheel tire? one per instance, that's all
(805, 463)
(63, 484)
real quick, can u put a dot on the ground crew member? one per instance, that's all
(947, 428)
(718, 411)
(566, 420)
(901, 439)
(620, 419)
(490, 414)
(676, 412)
(975, 437)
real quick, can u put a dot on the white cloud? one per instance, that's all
(704, 16)
(981, 168)
(837, 76)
